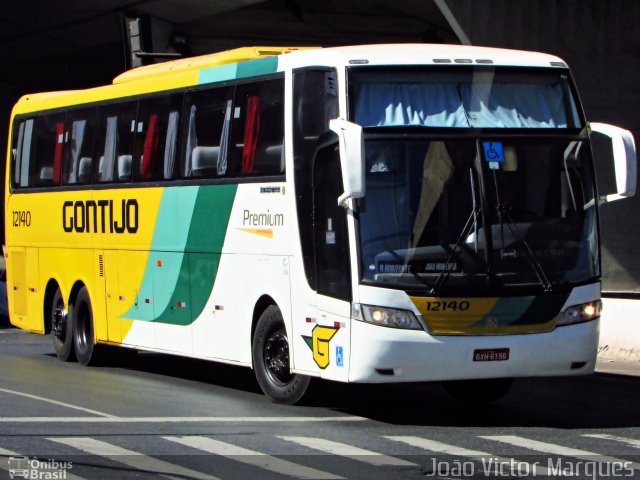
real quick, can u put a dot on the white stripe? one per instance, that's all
(111, 419)
(56, 402)
(251, 457)
(629, 441)
(130, 458)
(344, 450)
(489, 461)
(554, 449)
(6, 466)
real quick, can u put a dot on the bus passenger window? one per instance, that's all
(21, 153)
(258, 129)
(114, 141)
(78, 161)
(205, 132)
(49, 143)
(157, 137)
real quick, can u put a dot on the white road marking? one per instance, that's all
(131, 458)
(112, 419)
(560, 450)
(253, 458)
(56, 402)
(490, 462)
(349, 451)
(629, 441)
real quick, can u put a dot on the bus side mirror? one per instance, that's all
(352, 159)
(624, 160)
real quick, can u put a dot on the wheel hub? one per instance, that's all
(276, 357)
(59, 322)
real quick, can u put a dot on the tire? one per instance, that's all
(478, 391)
(61, 329)
(83, 334)
(271, 362)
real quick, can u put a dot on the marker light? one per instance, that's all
(584, 312)
(388, 317)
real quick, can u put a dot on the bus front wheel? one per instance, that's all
(83, 337)
(271, 361)
(61, 329)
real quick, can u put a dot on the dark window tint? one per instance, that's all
(49, 149)
(79, 157)
(21, 152)
(157, 137)
(206, 121)
(257, 130)
(330, 222)
(114, 141)
(315, 102)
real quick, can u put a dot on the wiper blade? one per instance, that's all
(530, 256)
(457, 250)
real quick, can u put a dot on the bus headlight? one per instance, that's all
(388, 317)
(584, 312)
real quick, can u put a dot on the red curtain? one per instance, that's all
(57, 153)
(251, 130)
(149, 148)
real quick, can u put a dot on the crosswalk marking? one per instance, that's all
(344, 450)
(561, 450)
(488, 460)
(131, 458)
(43, 471)
(629, 441)
(251, 457)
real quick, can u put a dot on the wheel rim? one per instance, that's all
(59, 321)
(276, 358)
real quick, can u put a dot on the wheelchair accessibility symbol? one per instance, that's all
(493, 151)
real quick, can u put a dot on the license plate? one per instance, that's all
(491, 355)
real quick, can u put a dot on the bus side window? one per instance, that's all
(157, 138)
(258, 129)
(21, 152)
(49, 148)
(115, 135)
(206, 119)
(79, 158)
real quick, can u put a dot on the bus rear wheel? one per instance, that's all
(271, 361)
(61, 329)
(83, 335)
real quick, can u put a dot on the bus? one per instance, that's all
(363, 214)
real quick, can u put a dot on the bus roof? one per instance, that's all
(203, 61)
(215, 67)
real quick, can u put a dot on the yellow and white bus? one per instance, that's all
(381, 213)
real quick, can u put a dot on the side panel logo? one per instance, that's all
(318, 342)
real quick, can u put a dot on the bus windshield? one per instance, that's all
(463, 97)
(476, 178)
(440, 214)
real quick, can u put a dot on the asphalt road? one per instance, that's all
(159, 416)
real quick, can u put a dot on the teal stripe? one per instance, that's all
(232, 71)
(173, 220)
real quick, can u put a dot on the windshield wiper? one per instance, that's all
(530, 256)
(457, 250)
